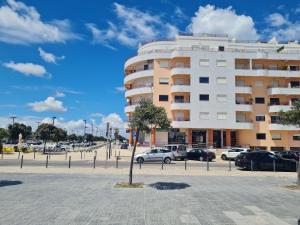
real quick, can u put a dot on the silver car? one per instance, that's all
(155, 154)
(179, 151)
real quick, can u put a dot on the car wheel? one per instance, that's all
(224, 157)
(201, 158)
(167, 160)
(140, 160)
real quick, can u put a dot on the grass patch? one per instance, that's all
(293, 187)
(127, 185)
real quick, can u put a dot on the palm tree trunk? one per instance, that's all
(132, 155)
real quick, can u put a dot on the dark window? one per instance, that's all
(260, 118)
(296, 137)
(153, 151)
(274, 101)
(260, 100)
(221, 48)
(294, 100)
(295, 84)
(204, 80)
(146, 67)
(163, 98)
(204, 97)
(275, 119)
(261, 136)
(179, 99)
(277, 148)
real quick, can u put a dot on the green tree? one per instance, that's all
(292, 117)
(116, 133)
(58, 134)
(89, 137)
(3, 134)
(72, 137)
(146, 117)
(18, 128)
(45, 132)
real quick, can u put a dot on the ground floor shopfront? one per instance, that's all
(223, 138)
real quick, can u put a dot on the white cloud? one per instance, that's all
(282, 28)
(22, 24)
(59, 94)
(49, 57)
(48, 105)
(120, 89)
(209, 19)
(133, 26)
(276, 20)
(97, 114)
(29, 69)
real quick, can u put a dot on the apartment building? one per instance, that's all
(217, 91)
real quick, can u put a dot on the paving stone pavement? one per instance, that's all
(42, 199)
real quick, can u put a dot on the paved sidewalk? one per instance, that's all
(91, 199)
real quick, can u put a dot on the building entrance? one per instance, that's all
(199, 137)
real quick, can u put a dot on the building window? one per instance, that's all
(163, 64)
(163, 80)
(222, 116)
(221, 48)
(221, 63)
(259, 83)
(296, 137)
(221, 98)
(261, 136)
(204, 80)
(260, 118)
(163, 98)
(204, 62)
(276, 137)
(275, 119)
(204, 115)
(221, 80)
(179, 99)
(204, 97)
(259, 100)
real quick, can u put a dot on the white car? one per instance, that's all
(233, 153)
(155, 154)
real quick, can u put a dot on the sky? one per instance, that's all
(66, 58)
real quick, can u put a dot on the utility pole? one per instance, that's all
(38, 124)
(92, 128)
(84, 128)
(13, 119)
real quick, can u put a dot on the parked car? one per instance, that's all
(288, 155)
(124, 146)
(179, 151)
(232, 153)
(155, 154)
(200, 154)
(264, 160)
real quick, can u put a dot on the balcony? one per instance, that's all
(138, 74)
(180, 105)
(181, 124)
(180, 88)
(138, 91)
(277, 126)
(267, 72)
(243, 89)
(130, 108)
(243, 124)
(182, 69)
(284, 90)
(279, 107)
(243, 106)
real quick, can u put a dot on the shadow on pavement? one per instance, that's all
(4, 183)
(169, 186)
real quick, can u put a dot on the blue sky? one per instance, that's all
(65, 58)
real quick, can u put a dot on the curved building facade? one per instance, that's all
(216, 91)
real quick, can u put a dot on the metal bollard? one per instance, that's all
(140, 162)
(69, 162)
(47, 161)
(162, 163)
(19, 155)
(81, 155)
(119, 153)
(94, 162)
(251, 165)
(34, 155)
(106, 155)
(274, 166)
(96, 154)
(229, 165)
(2, 154)
(207, 163)
(49, 155)
(22, 162)
(117, 161)
(185, 164)
(66, 155)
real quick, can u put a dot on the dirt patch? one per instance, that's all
(127, 185)
(293, 187)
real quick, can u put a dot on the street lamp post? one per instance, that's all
(13, 119)
(53, 120)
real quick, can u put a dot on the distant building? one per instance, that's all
(217, 91)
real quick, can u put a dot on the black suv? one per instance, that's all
(264, 160)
